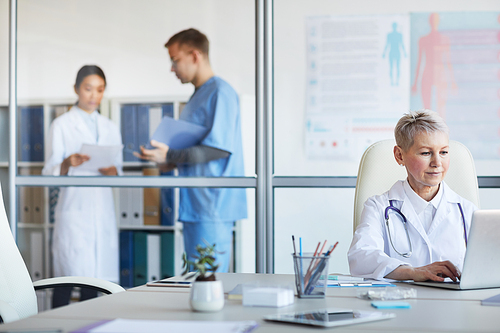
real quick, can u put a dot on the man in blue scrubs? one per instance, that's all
(207, 213)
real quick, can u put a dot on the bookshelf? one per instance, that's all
(34, 233)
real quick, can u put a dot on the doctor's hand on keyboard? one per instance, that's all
(437, 271)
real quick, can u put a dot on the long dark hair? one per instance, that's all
(86, 71)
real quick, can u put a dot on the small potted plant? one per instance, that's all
(207, 294)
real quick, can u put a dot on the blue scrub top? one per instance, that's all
(215, 105)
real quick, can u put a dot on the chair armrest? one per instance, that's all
(103, 286)
(7, 313)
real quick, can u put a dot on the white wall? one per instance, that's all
(290, 70)
(125, 38)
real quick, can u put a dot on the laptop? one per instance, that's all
(482, 259)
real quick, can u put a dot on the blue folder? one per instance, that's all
(178, 134)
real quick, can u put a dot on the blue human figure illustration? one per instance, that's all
(394, 42)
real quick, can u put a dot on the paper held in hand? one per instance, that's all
(100, 156)
(178, 134)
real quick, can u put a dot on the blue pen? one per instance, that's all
(315, 276)
(301, 271)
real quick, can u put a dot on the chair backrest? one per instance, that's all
(16, 287)
(378, 171)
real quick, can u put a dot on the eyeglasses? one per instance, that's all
(175, 62)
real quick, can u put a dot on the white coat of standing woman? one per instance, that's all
(85, 240)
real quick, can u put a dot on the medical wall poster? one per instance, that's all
(358, 82)
(455, 70)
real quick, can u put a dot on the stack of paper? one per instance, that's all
(161, 326)
(100, 156)
(352, 281)
(267, 296)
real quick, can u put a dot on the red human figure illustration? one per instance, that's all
(436, 49)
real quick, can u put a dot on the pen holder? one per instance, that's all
(311, 275)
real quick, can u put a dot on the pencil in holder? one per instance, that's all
(311, 275)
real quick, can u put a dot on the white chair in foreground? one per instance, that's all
(17, 291)
(378, 171)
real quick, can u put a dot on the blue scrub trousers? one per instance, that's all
(220, 233)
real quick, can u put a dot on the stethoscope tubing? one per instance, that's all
(405, 224)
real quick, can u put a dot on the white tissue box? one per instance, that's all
(268, 296)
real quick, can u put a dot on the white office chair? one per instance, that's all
(378, 171)
(17, 292)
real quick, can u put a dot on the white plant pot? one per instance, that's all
(207, 296)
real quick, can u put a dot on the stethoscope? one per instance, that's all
(405, 224)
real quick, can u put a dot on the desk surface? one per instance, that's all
(231, 280)
(429, 313)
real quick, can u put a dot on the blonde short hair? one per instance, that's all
(415, 122)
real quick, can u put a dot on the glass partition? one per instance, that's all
(138, 92)
(4, 53)
(315, 215)
(140, 88)
(146, 233)
(357, 67)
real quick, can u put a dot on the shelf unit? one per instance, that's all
(28, 234)
(156, 108)
(37, 232)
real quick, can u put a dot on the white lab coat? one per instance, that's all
(85, 239)
(371, 254)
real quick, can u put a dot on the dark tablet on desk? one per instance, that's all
(175, 281)
(330, 317)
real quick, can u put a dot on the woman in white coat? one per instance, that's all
(438, 219)
(85, 239)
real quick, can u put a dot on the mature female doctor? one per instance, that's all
(85, 240)
(438, 219)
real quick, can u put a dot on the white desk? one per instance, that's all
(231, 280)
(430, 314)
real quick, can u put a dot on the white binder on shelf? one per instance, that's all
(154, 264)
(136, 206)
(123, 212)
(36, 255)
(155, 116)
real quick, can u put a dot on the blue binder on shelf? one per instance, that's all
(129, 132)
(142, 125)
(4, 134)
(135, 124)
(168, 110)
(31, 134)
(167, 254)
(140, 257)
(167, 197)
(167, 194)
(127, 259)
